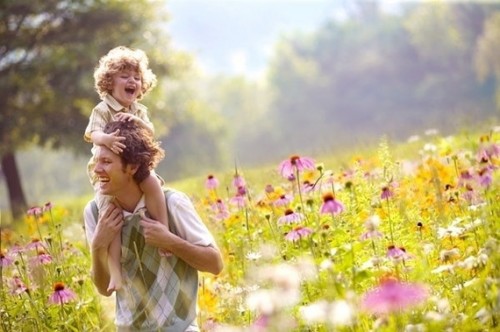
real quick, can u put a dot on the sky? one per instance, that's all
(237, 36)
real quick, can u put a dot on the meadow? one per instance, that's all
(401, 238)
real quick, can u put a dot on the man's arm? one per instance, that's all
(202, 258)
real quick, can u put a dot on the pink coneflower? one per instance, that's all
(298, 233)
(283, 200)
(17, 286)
(211, 182)
(36, 244)
(5, 260)
(307, 187)
(485, 176)
(61, 294)
(238, 200)
(48, 206)
(41, 258)
(397, 254)
(386, 193)
(34, 211)
(374, 234)
(393, 295)
(290, 217)
(331, 205)
(221, 210)
(238, 181)
(289, 167)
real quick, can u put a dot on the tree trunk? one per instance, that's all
(17, 200)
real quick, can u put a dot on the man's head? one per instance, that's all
(141, 151)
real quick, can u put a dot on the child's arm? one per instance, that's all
(122, 116)
(112, 141)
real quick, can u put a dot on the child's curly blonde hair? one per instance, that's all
(123, 58)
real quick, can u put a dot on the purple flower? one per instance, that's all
(370, 235)
(17, 286)
(221, 210)
(331, 205)
(211, 182)
(485, 176)
(61, 294)
(34, 211)
(298, 233)
(48, 206)
(35, 244)
(386, 193)
(5, 260)
(290, 217)
(397, 254)
(284, 200)
(393, 295)
(238, 181)
(41, 258)
(294, 164)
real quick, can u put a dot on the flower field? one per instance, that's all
(380, 243)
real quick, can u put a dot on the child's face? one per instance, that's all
(127, 85)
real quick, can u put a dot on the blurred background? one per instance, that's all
(240, 82)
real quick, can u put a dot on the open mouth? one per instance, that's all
(103, 179)
(130, 90)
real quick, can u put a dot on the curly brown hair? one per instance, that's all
(123, 58)
(141, 148)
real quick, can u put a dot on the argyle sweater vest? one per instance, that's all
(159, 293)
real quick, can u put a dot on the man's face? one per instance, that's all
(127, 85)
(112, 177)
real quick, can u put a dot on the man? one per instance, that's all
(159, 293)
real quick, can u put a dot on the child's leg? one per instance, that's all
(114, 256)
(155, 200)
(114, 250)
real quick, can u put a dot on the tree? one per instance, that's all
(48, 51)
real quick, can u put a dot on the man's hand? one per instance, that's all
(155, 233)
(109, 225)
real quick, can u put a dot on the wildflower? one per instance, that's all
(34, 211)
(331, 205)
(448, 255)
(36, 244)
(61, 294)
(48, 206)
(294, 164)
(485, 176)
(41, 258)
(17, 286)
(283, 200)
(342, 313)
(238, 181)
(253, 256)
(315, 312)
(451, 231)
(393, 295)
(290, 217)
(371, 225)
(211, 183)
(397, 254)
(221, 210)
(297, 233)
(386, 193)
(5, 260)
(238, 200)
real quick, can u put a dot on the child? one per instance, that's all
(121, 79)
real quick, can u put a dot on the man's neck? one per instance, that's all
(129, 199)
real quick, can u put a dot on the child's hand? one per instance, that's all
(114, 142)
(125, 117)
